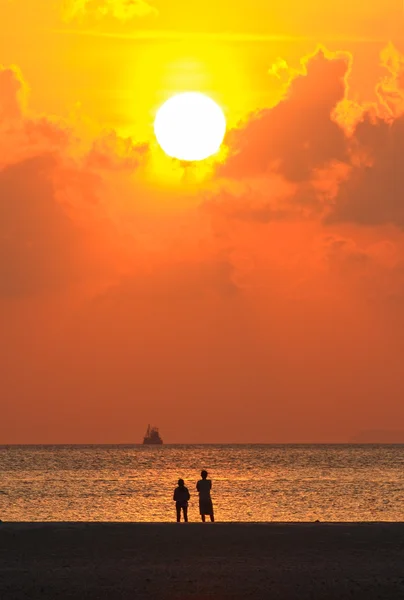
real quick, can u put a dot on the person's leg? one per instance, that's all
(185, 510)
(203, 518)
(212, 517)
(178, 513)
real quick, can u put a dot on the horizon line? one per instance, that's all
(347, 443)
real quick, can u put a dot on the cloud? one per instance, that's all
(13, 93)
(279, 67)
(55, 233)
(21, 135)
(36, 235)
(56, 198)
(372, 194)
(342, 160)
(298, 135)
(122, 10)
(257, 201)
(112, 152)
(288, 161)
(390, 89)
(344, 253)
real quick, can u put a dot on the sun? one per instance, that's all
(190, 126)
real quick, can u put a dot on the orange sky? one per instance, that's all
(254, 297)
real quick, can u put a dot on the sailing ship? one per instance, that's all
(152, 436)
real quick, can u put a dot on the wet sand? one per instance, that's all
(114, 561)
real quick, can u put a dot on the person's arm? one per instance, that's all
(197, 486)
(188, 495)
(175, 494)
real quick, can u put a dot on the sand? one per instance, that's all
(100, 561)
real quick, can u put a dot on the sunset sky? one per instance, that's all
(256, 296)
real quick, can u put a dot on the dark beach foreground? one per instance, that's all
(114, 561)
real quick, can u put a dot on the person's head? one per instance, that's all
(204, 474)
(180, 483)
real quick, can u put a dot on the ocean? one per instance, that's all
(250, 482)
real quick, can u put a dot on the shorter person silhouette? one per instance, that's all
(181, 497)
(204, 486)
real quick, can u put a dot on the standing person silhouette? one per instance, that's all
(204, 486)
(181, 497)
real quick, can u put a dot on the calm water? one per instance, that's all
(250, 482)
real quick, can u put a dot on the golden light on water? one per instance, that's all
(250, 483)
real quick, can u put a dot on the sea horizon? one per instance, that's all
(272, 444)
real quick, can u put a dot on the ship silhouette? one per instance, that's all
(152, 436)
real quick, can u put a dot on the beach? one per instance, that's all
(284, 561)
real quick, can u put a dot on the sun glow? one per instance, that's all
(190, 126)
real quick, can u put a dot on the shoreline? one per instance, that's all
(28, 525)
(171, 561)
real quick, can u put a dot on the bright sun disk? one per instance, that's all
(190, 126)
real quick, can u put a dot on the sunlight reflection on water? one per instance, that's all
(250, 482)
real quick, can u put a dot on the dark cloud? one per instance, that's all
(55, 225)
(251, 205)
(373, 194)
(343, 253)
(298, 135)
(345, 174)
(36, 235)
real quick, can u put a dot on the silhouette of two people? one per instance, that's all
(182, 496)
